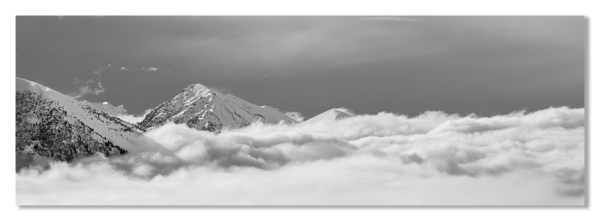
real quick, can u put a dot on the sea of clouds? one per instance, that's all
(435, 158)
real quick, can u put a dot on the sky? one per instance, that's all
(369, 64)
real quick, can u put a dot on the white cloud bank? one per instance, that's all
(384, 159)
(133, 118)
(297, 116)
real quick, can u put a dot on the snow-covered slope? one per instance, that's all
(330, 115)
(54, 125)
(205, 109)
(107, 108)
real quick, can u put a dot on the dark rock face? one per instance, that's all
(155, 117)
(45, 129)
(213, 123)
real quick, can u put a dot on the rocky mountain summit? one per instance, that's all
(204, 109)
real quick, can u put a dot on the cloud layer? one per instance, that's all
(133, 118)
(385, 159)
(297, 116)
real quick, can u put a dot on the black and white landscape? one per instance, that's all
(372, 110)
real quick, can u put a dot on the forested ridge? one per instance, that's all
(44, 128)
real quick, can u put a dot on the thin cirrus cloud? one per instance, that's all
(390, 18)
(145, 69)
(150, 69)
(336, 41)
(63, 17)
(384, 159)
(292, 41)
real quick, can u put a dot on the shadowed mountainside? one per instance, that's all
(51, 124)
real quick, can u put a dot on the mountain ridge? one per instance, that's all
(333, 114)
(201, 108)
(51, 124)
(57, 126)
(107, 108)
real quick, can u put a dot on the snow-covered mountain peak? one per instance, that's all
(343, 111)
(196, 88)
(331, 115)
(193, 92)
(204, 109)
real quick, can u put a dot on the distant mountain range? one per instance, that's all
(53, 125)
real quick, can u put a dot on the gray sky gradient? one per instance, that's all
(407, 65)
